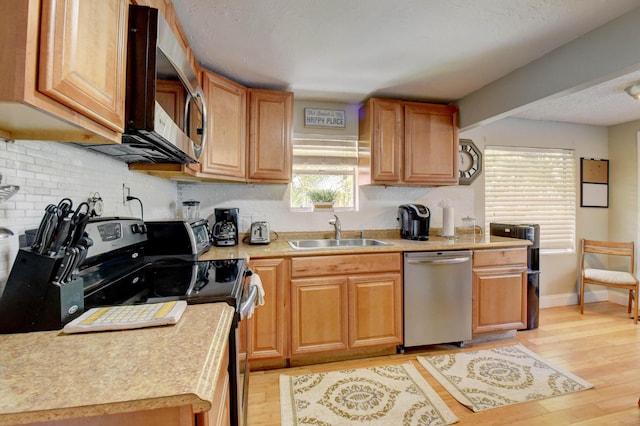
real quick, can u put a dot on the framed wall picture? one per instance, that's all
(594, 183)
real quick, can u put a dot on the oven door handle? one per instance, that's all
(246, 309)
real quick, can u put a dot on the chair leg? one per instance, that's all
(630, 301)
(581, 296)
(635, 318)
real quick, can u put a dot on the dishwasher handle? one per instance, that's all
(441, 261)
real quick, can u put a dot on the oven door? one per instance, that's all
(239, 370)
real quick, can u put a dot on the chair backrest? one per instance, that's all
(615, 248)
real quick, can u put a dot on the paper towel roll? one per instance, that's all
(448, 228)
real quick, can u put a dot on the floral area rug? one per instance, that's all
(502, 376)
(388, 395)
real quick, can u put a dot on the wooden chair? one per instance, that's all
(610, 278)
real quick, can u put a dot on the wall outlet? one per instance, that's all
(126, 192)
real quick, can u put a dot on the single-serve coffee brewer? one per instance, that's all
(414, 221)
(225, 228)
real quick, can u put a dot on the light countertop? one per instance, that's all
(280, 248)
(50, 375)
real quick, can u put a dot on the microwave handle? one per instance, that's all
(197, 150)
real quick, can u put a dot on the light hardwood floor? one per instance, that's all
(601, 346)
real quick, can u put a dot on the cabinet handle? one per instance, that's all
(450, 261)
(197, 150)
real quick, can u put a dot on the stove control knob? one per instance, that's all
(137, 228)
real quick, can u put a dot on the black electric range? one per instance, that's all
(118, 270)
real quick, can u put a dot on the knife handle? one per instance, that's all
(61, 238)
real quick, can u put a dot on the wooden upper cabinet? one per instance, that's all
(430, 143)
(270, 127)
(83, 57)
(388, 139)
(407, 143)
(62, 68)
(225, 152)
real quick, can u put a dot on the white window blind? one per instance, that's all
(533, 185)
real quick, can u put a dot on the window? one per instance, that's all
(325, 164)
(533, 185)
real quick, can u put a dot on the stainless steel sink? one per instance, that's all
(331, 243)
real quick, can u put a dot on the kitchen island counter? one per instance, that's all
(52, 376)
(281, 248)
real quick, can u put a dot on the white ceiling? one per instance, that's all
(429, 50)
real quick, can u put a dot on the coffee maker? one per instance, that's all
(225, 228)
(414, 221)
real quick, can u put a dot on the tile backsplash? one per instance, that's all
(49, 171)
(378, 206)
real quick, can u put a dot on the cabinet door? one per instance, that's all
(268, 326)
(387, 141)
(375, 310)
(270, 126)
(225, 152)
(82, 57)
(499, 299)
(431, 144)
(319, 320)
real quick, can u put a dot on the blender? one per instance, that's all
(191, 210)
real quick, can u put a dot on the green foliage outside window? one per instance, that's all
(307, 188)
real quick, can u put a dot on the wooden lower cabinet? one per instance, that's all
(220, 413)
(319, 315)
(375, 304)
(267, 342)
(499, 290)
(349, 310)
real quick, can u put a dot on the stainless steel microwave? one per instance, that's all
(155, 132)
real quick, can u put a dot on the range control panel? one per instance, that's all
(110, 234)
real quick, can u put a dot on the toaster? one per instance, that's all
(259, 233)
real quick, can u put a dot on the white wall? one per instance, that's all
(48, 171)
(623, 177)
(559, 271)
(624, 210)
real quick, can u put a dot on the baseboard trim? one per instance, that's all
(567, 299)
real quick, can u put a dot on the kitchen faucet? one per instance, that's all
(336, 224)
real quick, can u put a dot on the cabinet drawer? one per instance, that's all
(510, 256)
(315, 266)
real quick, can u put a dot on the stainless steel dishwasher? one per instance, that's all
(437, 298)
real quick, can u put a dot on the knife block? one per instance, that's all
(32, 302)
